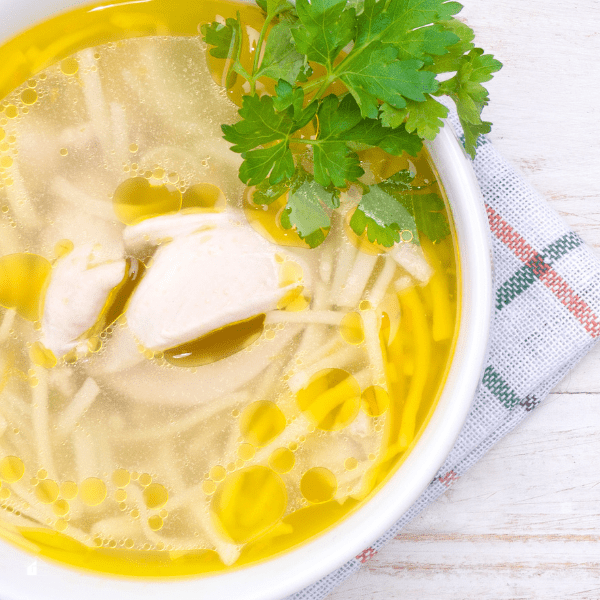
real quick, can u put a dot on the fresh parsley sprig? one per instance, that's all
(388, 55)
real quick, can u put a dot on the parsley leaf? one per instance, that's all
(334, 162)
(450, 61)
(429, 215)
(472, 132)
(396, 140)
(423, 117)
(306, 210)
(274, 7)
(327, 27)
(426, 209)
(424, 42)
(281, 61)
(383, 217)
(469, 95)
(387, 55)
(263, 124)
(341, 126)
(223, 38)
(266, 194)
(275, 162)
(376, 75)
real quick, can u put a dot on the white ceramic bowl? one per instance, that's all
(24, 577)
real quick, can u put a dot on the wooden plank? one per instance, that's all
(544, 101)
(487, 569)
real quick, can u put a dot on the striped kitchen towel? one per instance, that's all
(547, 307)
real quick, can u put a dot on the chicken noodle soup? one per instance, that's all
(185, 386)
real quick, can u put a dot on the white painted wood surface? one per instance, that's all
(525, 521)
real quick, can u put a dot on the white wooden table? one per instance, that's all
(525, 521)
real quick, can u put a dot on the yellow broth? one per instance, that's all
(111, 502)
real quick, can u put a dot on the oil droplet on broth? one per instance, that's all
(282, 460)
(69, 66)
(61, 525)
(11, 111)
(121, 478)
(23, 278)
(209, 487)
(350, 464)
(94, 344)
(61, 507)
(318, 485)
(375, 401)
(293, 300)
(120, 495)
(46, 491)
(29, 96)
(155, 522)
(137, 199)
(12, 469)
(249, 503)
(218, 344)
(261, 422)
(331, 400)
(351, 329)
(156, 496)
(290, 273)
(298, 304)
(218, 473)
(116, 303)
(40, 355)
(246, 451)
(204, 195)
(145, 479)
(92, 491)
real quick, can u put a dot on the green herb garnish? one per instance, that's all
(388, 54)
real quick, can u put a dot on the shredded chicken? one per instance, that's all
(78, 290)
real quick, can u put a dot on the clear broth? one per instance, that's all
(416, 364)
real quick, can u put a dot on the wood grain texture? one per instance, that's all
(525, 521)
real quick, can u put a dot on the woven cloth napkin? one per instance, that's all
(546, 318)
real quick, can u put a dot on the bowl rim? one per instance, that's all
(23, 576)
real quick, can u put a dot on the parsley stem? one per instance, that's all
(258, 52)
(313, 83)
(324, 87)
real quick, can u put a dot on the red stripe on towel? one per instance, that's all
(545, 273)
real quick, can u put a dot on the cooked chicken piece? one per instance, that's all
(214, 273)
(162, 229)
(79, 287)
